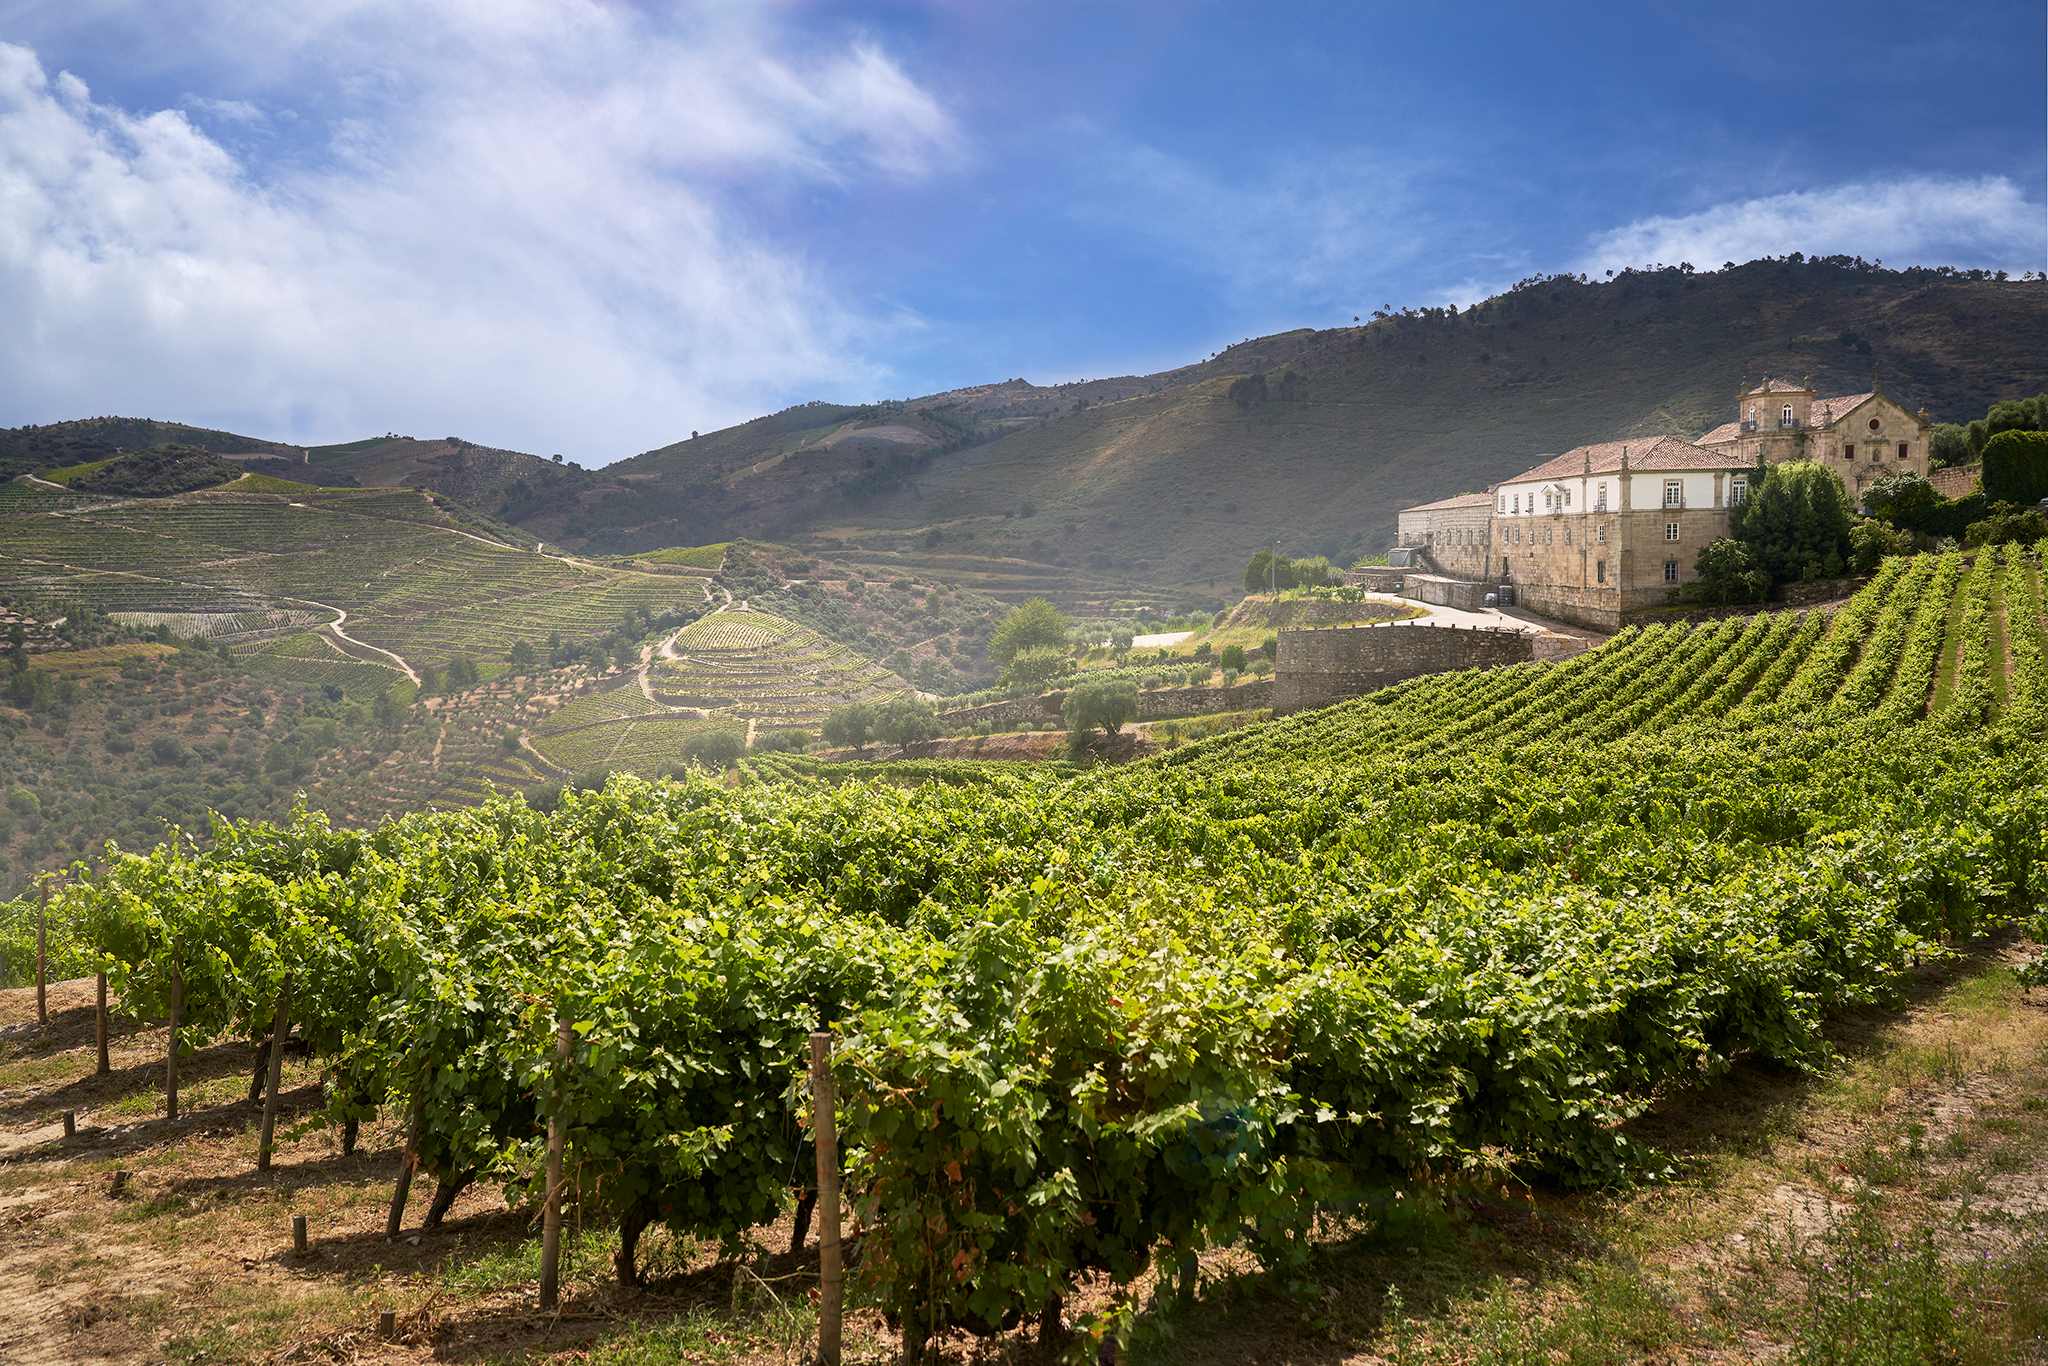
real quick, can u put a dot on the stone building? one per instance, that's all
(1861, 437)
(1452, 533)
(1602, 530)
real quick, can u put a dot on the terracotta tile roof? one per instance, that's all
(1645, 453)
(1462, 500)
(1779, 386)
(1726, 432)
(1826, 410)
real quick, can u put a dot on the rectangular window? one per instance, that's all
(1671, 531)
(1600, 498)
(1567, 535)
(1671, 571)
(1600, 571)
(1738, 489)
(1518, 504)
(1905, 451)
(1568, 487)
(1785, 416)
(1674, 493)
(1600, 534)
(1546, 535)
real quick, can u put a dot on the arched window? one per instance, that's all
(1785, 416)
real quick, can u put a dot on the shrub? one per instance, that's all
(2016, 467)
(2024, 525)
(1727, 572)
(1031, 672)
(1871, 541)
(720, 748)
(1232, 658)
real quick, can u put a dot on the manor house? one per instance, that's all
(1589, 535)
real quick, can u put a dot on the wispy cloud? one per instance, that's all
(520, 221)
(1985, 222)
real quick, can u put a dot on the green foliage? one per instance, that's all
(1100, 705)
(1870, 541)
(1795, 522)
(1031, 672)
(156, 473)
(2016, 467)
(1949, 444)
(2010, 415)
(1268, 572)
(1232, 658)
(717, 747)
(850, 726)
(1088, 1026)
(1034, 624)
(1728, 573)
(906, 720)
(2022, 525)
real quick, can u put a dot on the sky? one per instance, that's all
(592, 226)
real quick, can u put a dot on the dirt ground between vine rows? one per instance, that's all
(1937, 1116)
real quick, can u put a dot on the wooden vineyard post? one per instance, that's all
(171, 1048)
(43, 961)
(825, 1130)
(278, 1030)
(99, 1024)
(551, 1213)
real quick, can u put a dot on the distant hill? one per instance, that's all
(1315, 438)
(57, 445)
(1311, 438)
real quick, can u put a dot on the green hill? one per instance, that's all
(1317, 437)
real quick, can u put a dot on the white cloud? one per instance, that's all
(1984, 222)
(523, 223)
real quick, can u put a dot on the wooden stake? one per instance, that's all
(71, 1124)
(825, 1130)
(171, 1049)
(299, 1234)
(278, 1029)
(551, 1213)
(43, 961)
(99, 1023)
(387, 1324)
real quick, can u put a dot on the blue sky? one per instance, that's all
(588, 227)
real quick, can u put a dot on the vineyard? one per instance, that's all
(758, 667)
(1088, 1026)
(415, 579)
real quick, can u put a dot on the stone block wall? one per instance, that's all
(1318, 667)
(1156, 704)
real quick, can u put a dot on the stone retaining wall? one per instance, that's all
(1318, 667)
(1156, 704)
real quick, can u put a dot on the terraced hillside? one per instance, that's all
(765, 669)
(396, 582)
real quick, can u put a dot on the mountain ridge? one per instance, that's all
(1313, 437)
